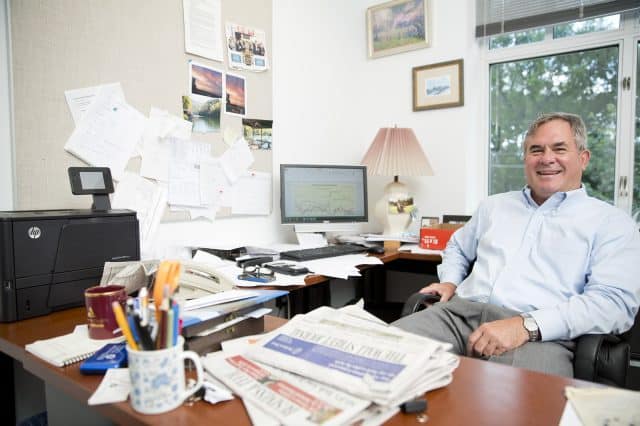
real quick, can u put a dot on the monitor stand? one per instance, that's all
(318, 234)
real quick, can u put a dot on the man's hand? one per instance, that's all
(445, 290)
(497, 337)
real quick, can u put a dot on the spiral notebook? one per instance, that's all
(70, 348)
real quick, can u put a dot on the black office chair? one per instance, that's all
(601, 358)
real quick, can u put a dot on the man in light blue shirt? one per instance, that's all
(549, 263)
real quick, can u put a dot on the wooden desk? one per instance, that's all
(482, 393)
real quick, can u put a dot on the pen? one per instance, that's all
(143, 333)
(176, 323)
(124, 325)
(169, 333)
(158, 287)
(143, 295)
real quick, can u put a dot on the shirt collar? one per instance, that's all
(556, 199)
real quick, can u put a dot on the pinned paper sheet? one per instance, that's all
(252, 194)
(147, 199)
(203, 28)
(79, 100)
(184, 172)
(213, 182)
(155, 142)
(236, 160)
(107, 134)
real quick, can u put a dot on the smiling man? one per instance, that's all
(550, 263)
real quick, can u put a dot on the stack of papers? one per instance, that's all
(332, 367)
(601, 406)
(341, 266)
(415, 249)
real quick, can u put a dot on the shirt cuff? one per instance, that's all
(449, 275)
(551, 324)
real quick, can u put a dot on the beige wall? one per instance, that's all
(67, 44)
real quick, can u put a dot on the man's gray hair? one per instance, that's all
(578, 128)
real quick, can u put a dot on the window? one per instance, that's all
(583, 82)
(579, 67)
(604, 23)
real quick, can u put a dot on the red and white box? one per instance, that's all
(435, 237)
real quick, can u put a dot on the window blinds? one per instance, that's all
(504, 16)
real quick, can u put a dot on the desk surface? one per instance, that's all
(387, 257)
(481, 393)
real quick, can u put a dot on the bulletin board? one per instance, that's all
(70, 44)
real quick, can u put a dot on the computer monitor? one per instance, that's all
(320, 198)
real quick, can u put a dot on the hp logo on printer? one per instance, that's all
(34, 232)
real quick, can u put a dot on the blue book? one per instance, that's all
(111, 355)
(209, 317)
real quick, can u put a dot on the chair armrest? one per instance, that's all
(417, 302)
(602, 358)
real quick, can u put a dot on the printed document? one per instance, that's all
(252, 194)
(79, 100)
(236, 160)
(108, 134)
(147, 199)
(203, 28)
(213, 182)
(184, 173)
(161, 126)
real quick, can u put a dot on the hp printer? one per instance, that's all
(49, 257)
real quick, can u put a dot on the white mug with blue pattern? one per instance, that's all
(158, 380)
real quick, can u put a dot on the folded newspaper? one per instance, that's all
(377, 362)
(332, 361)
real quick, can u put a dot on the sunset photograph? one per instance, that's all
(206, 81)
(236, 95)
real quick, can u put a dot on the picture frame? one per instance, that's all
(438, 85)
(386, 37)
(429, 221)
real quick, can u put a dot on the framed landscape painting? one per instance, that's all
(438, 85)
(398, 26)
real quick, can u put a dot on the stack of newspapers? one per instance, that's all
(332, 367)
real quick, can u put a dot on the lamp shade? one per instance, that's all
(396, 151)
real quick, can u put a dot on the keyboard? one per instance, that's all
(321, 252)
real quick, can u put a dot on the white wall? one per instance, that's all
(330, 99)
(6, 149)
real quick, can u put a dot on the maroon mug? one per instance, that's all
(100, 317)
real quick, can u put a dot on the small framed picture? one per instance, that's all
(438, 85)
(428, 221)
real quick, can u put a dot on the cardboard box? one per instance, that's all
(436, 237)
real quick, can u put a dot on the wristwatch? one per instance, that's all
(531, 326)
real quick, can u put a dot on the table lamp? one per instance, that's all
(395, 151)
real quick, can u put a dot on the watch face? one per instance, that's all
(530, 324)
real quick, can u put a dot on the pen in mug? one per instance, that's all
(143, 296)
(176, 323)
(124, 325)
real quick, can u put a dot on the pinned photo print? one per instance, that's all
(206, 81)
(236, 95)
(203, 112)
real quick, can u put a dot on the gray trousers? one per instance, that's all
(453, 321)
